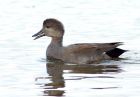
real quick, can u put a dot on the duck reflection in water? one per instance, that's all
(57, 72)
(56, 79)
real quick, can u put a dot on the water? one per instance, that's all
(23, 70)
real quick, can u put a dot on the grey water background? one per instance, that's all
(23, 70)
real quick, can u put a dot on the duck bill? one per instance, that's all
(38, 35)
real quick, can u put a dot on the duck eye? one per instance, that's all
(48, 26)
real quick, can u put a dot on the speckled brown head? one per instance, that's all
(51, 28)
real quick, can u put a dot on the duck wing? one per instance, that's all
(102, 46)
(109, 48)
(75, 48)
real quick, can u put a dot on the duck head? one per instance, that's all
(51, 28)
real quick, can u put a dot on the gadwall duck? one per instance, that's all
(82, 53)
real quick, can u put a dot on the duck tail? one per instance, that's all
(115, 53)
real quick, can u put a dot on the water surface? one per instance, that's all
(24, 71)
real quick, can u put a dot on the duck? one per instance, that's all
(79, 53)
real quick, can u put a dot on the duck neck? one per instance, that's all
(57, 41)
